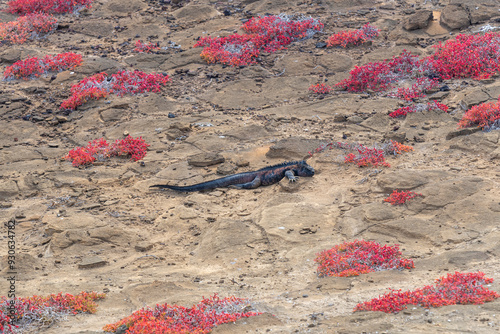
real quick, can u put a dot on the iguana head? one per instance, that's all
(304, 169)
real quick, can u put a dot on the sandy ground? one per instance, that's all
(153, 247)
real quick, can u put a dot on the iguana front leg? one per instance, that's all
(290, 176)
(249, 185)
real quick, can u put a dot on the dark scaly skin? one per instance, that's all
(251, 180)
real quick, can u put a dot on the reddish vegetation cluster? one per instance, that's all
(484, 115)
(100, 149)
(234, 50)
(200, 318)
(397, 148)
(93, 87)
(121, 83)
(27, 27)
(457, 288)
(403, 111)
(373, 76)
(366, 156)
(321, 88)
(268, 34)
(23, 7)
(434, 105)
(136, 82)
(400, 197)
(146, 47)
(360, 257)
(354, 37)
(277, 31)
(37, 311)
(381, 76)
(467, 56)
(417, 90)
(372, 156)
(34, 67)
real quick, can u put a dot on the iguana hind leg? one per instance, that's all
(249, 185)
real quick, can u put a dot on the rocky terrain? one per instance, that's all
(101, 228)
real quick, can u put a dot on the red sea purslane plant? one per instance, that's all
(263, 34)
(134, 147)
(372, 76)
(90, 88)
(5, 324)
(403, 111)
(81, 156)
(100, 150)
(24, 7)
(372, 156)
(395, 148)
(354, 37)
(125, 82)
(321, 88)
(457, 288)
(485, 115)
(233, 50)
(401, 197)
(468, 56)
(419, 107)
(417, 90)
(34, 313)
(200, 318)
(366, 156)
(360, 257)
(146, 47)
(27, 27)
(137, 82)
(277, 31)
(95, 149)
(34, 67)
(381, 76)
(61, 62)
(408, 65)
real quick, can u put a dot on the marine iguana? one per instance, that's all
(251, 180)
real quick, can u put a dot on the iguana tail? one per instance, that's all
(218, 183)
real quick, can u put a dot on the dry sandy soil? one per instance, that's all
(101, 228)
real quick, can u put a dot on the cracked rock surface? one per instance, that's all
(101, 228)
